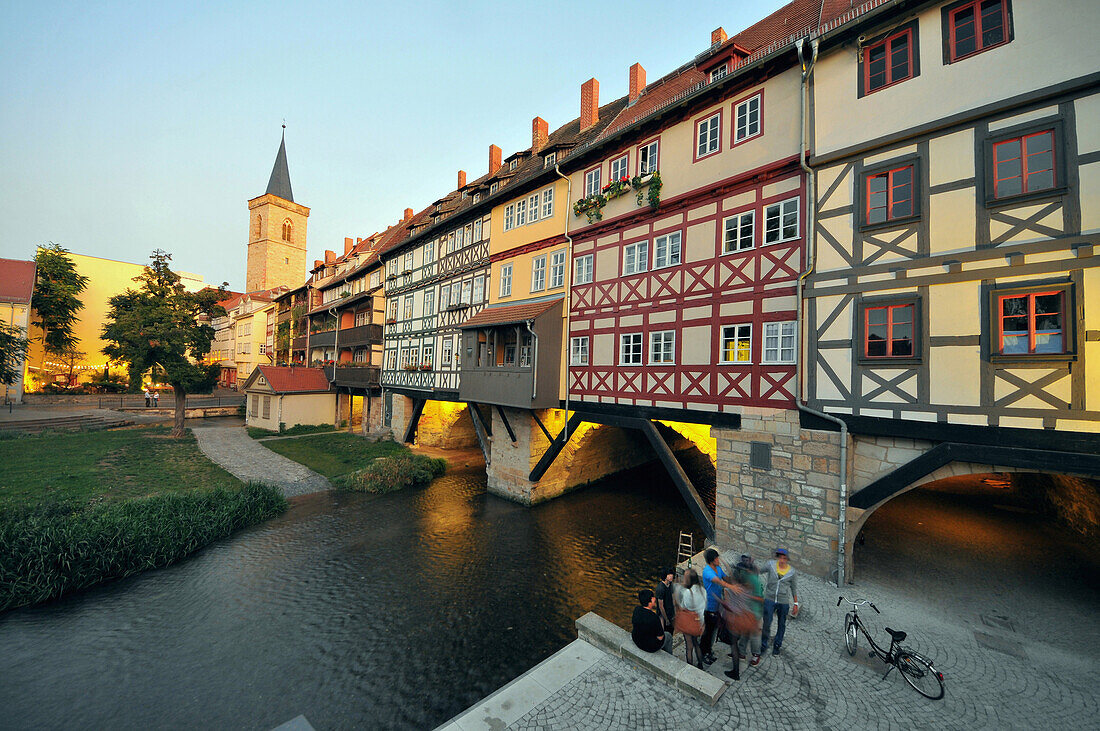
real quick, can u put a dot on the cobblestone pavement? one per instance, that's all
(995, 677)
(233, 449)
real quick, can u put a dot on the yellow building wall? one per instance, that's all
(17, 315)
(521, 277)
(501, 240)
(291, 409)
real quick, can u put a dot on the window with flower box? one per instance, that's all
(620, 168)
(592, 182)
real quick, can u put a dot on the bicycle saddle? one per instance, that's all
(896, 634)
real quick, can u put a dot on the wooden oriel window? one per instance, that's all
(889, 195)
(976, 26)
(1031, 323)
(888, 331)
(1024, 164)
(889, 61)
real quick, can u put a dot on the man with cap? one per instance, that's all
(781, 586)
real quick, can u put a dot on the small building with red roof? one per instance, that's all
(288, 395)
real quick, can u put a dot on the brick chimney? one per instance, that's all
(717, 36)
(461, 179)
(408, 215)
(494, 159)
(540, 132)
(317, 263)
(590, 103)
(637, 82)
(349, 244)
(330, 256)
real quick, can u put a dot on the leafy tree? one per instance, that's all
(13, 349)
(56, 298)
(69, 358)
(162, 324)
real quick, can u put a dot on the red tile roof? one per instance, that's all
(16, 280)
(288, 379)
(507, 314)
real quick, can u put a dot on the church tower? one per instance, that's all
(276, 232)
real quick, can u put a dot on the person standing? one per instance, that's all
(693, 600)
(781, 588)
(148, 398)
(666, 607)
(156, 399)
(714, 580)
(748, 575)
(646, 629)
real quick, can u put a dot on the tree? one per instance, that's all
(13, 349)
(163, 324)
(56, 298)
(69, 359)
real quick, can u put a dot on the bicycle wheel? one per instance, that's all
(850, 636)
(920, 674)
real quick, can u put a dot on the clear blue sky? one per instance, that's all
(130, 126)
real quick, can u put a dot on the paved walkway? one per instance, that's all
(996, 677)
(233, 449)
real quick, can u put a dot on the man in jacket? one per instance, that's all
(781, 587)
(647, 632)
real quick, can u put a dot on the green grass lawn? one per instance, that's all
(104, 466)
(333, 455)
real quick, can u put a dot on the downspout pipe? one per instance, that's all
(807, 61)
(534, 359)
(335, 360)
(568, 290)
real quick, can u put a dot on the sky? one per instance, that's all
(125, 127)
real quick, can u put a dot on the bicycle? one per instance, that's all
(917, 670)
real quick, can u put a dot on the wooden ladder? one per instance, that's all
(685, 550)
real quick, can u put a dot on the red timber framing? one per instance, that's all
(695, 299)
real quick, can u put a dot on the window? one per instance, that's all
(445, 350)
(429, 252)
(509, 217)
(662, 347)
(779, 342)
(737, 344)
(392, 314)
(267, 407)
(592, 182)
(426, 353)
(513, 164)
(467, 291)
(444, 297)
(1024, 164)
(477, 230)
(719, 72)
(526, 344)
(548, 203)
(781, 221)
(635, 258)
(890, 195)
(391, 360)
(888, 330)
(666, 250)
(620, 168)
(578, 351)
(429, 302)
(288, 229)
(630, 349)
(506, 280)
(362, 318)
(263, 348)
(976, 26)
(533, 208)
(494, 187)
(708, 135)
(890, 61)
(582, 269)
(538, 273)
(746, 116)
(1032, 323)
(255, 410)
(550, 160)
(456, 294)
(479, 289)
(647, 158)
(477, 197)
(557, 269)
(409, 262)
(408, 307)
(521, 213)
(738, 232)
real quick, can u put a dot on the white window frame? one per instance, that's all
(477, 230)
(738, 241)
(738, 329)
(632, 344)
(445, 350)
(557, 269)
(777, 212)
(673, 250)
(509, 217)
(407, 307)
(444, 297)
(592, 182)
(648, 157)
(391, 360)
(583, 269)
(548, 202)
(479, 289)
(719, 73)
(533, 208)
(752, 116)
(662, 347)
(623, 161)
(506, 280)
(578, 351)
(780, 332)
(467, 292)
(427, 353)
(512, 165)
(429, 252)
(410, 262)
(708, 136)
(550, 160)
(538, 273)
(429, 302)
(640, 251)
(521, 212)
(494, 187)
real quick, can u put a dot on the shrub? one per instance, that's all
(390, 474)
(52, 549)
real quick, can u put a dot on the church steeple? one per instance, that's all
(279, 183)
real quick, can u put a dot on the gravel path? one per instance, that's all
(233, 449)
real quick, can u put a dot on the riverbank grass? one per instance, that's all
(82, 508)
(394, 473)
(258, 433)
(334, 455)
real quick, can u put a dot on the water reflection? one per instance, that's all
(394, 611)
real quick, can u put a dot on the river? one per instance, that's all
(390, 611)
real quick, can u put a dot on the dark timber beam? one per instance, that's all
(410, 429)
(683, 482)
(507, 426)
(480, 431)
(542, 426)
(556, 445)
(486, 423)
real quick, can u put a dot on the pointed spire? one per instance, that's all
(279, 184)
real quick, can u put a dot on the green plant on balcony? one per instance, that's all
(652, 183)
(616, 188)
(590, 206)
(425, 366)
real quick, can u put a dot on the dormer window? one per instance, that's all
(494, 187)
(465, 194)
(513, 164)
(477, 197)
(550, 160)
(719, 72)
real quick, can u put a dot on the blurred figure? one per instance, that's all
(781, 588)
(691, 615)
